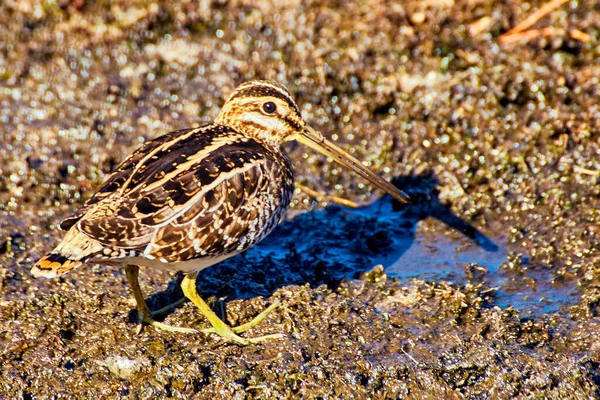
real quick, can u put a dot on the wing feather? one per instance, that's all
(222, 219)
(190, 194)
(118, 178)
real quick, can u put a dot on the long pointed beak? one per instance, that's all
(316, 141)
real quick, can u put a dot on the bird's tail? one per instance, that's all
(75, 249)
(53, 265)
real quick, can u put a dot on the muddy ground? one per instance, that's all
(490, 285)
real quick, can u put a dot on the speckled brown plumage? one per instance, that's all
(208, 193)
(205, 192)
(191, 198)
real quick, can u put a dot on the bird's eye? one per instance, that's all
(269, 107)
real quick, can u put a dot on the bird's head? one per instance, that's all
(266, 111)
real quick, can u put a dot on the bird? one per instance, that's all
(192, 198)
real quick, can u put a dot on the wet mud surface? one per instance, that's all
(488, 286)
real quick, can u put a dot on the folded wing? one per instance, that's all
(197, 194)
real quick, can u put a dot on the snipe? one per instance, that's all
(192, 198)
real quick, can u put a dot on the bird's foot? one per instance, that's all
(146, 319)
(229, 333)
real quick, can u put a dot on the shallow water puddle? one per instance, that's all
(350, 242)
(459, 259)
(439, 257)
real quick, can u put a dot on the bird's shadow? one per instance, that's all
(327, 246)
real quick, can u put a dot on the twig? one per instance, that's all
(535, 17)
(526, 35)
(580, 36)
(333, 199)
(585, 171)
(479, 26)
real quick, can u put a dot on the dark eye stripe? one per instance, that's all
(265, 89)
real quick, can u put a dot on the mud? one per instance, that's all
(486, 287)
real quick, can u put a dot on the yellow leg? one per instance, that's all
(219, 327)
(144, 313)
